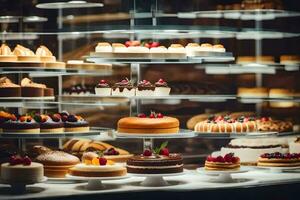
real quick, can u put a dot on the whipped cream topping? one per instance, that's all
(5, 82)
(43, 51)
(26, 82)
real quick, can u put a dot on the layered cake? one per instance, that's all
(6, 55)
(222, 163)
(278, 159)
(103, 88)
(145, 88)
(8, 88)
(31, 89)
(98, 167)
(289, 59)
(24, 124)
(249, 150)
(226, 124)
(123, 88)
(294, 146)
(57, 163)
(50, 123)
(155, 162)
(258, 92)
(161, 88)
(74, 123)
(152, 124)
(110, 154)
(26, 55)
(21, 170)
(266, 124)
(45, 54)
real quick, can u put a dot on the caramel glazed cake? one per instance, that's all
(155, 164)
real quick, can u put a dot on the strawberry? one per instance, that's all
(148, 45)
(154, 44)
(26, 160)
(128, 43)
(102, 81)
(210, 158)
(159, 115)
(235, 159)
(161, 80)
(142, 115)
(147, 152)
(102, 161)
(228, 158)
(164, 152)
(220, 159)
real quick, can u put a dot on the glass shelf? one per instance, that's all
(251, 14)
(69, 5)
(260, 100)
(98, 133)
(183, 133)
(16, 19)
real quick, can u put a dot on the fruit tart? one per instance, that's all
(23, 124)
(50, 123)
(220, 163)
(278, 159)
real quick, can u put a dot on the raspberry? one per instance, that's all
(26, 160)
(235, 159)
(210, 159)
(152, 115)
(102, 161)
(102, 81)
(220, 159)
(142, 115)
(228, 158)
(147, 152)
(159, 115)
(164, 151)
(161, 80)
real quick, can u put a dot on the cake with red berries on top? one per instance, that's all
(74, 123)
(161, 88)
(21, 170)
(278, 159)
(103, 88)
(155, 123)
(97, 167)
(227, 124)
(220, 163)
(157, 161)
(50, 123)
(269, 124)
(124, 88)
(22, 124)
(145, 88)
(110, 154)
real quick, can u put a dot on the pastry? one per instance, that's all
(123, 88)
(104, 47)
(50, 123)
(79, 90)
(280, 93)
(98, 167)
(257, 92)
(25, 54)
(21, 170)
(159, 161)
(31, 89)
(218, 48)
(57, 163)
(74, 123)
(145, 89)
(267, 124)
(226, 124)
(161, 88)
(158, 52)
(289, 59)
(196, 119)
(103, 88)
(228, 162)
(45, 54)
(294, 146)
(8, 88)
(249, 149)
(153, 124)
(24, 124)
(255, 59)
(191, 48)
(4, 117)
(278, 159)
(6, 55)
(176, 48)
(119, 48)
(206, 47)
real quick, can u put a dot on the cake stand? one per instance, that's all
(279, 169)
(155, 180)
(222, 176)
(95, 183)
(20, 187)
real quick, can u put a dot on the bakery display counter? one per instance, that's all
(190, 183)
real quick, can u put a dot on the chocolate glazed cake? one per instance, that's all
(156, 164)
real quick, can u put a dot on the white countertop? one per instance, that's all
(190, 181)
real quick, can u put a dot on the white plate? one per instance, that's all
(183, 133)
(157, 175)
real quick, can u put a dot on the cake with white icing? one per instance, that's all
(294, 146)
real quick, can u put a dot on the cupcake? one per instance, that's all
(123, 88)
(161, 88)
(103, 88)
(145, 88)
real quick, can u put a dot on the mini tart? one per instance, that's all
(219, 166)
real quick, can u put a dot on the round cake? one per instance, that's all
(253, 92)
(142, 124)
(109, 170)
(74, 123)
(21, 170)
(57, 163)
(294, 146)
(50, 124)
(278, 159)
(222, 163)
(24, 124)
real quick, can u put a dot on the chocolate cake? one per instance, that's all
(9, 89)
(74, 123)
(50, 124)
(24, 124)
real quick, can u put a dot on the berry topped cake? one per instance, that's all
(103, 88)
(279, 160)
(5, 116)
(74, 123)
(155, 123)
(227, 124)
(161, 88)
(123, 88)
(23, 124)
(50, 123)
(220, 163)
(158, 161)
(145, 89)
(112, 154)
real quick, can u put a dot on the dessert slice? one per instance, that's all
(50, 124)
(74, 123)
(103, 88)
(220, 163)
(6, 55)
(279, 160)
(25, 54)
(24, 124)
(161, 88)
(145, 88)
(45, 54)
(8, 88)
(123, 88)
(119, 48)
(104, 47)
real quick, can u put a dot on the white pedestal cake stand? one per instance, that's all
(95, 183)
(155, 180)
(279, 169)
(222, 176)
(20, 187)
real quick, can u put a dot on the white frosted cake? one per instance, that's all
(295, 146)
(249, 150)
